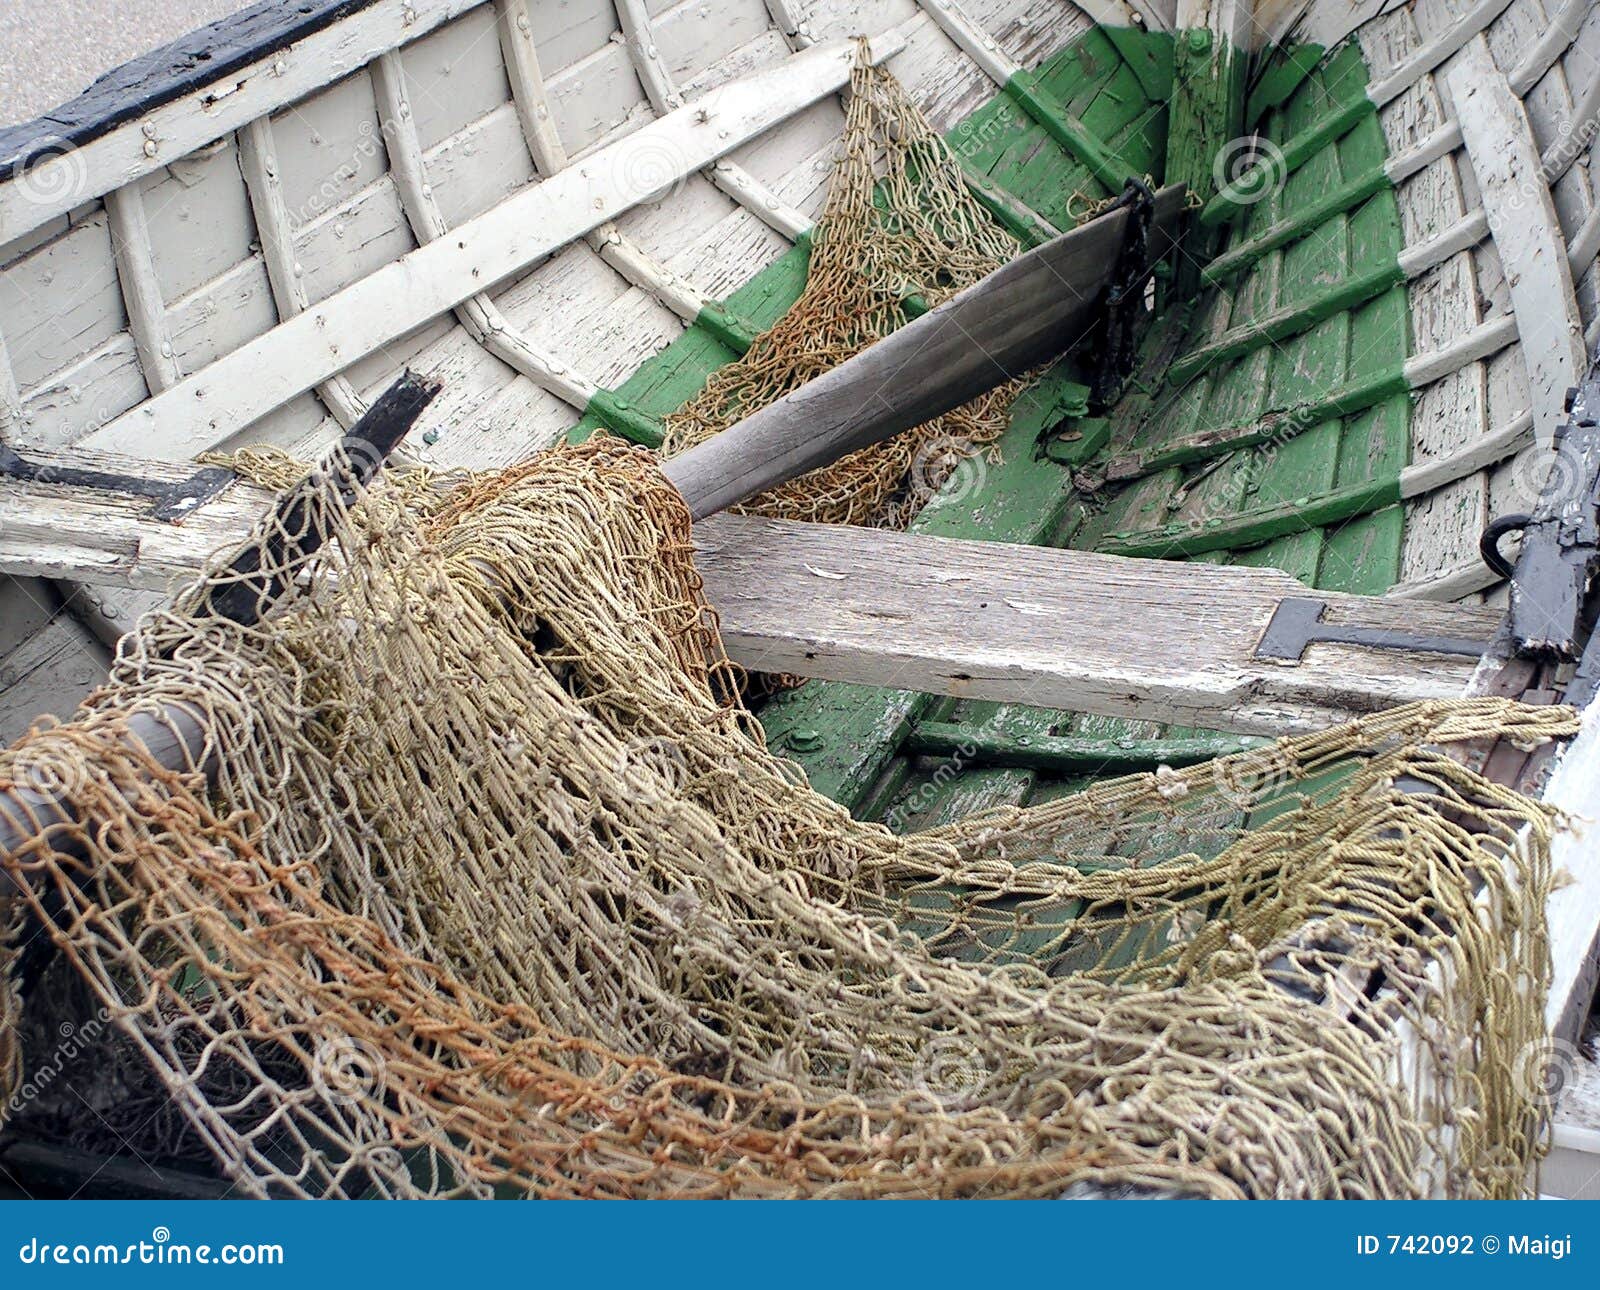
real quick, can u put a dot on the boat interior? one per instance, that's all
(572, 213)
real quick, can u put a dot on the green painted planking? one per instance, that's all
(1287, 67)
(1370, 447)
(1076, 137)
(859, 728)
(1206, 121)
(1338, 95)
(1279, 423)
(1350, 193)
(1079, 754)
(665, 382)
(1290, 320)
(1303, 514)
(669, 379)
(1018, 154)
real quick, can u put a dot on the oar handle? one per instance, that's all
(1034, 308)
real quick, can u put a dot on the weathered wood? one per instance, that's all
(1022, 314)
(1573, 910)
(1206, 114)
(258, 164)
(141, 293)
(186, 95)
(1058, 629)
(176, 734)
(1527, 233)
(981, 620)
(216, 402)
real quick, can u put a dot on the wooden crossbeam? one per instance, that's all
(983, 620)
(1058, 629)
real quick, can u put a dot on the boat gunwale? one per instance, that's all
(165, 74)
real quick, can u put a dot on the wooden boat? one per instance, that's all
(570, 214)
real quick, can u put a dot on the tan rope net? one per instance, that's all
(899, 231)
(498, 890)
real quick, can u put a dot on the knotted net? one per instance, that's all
(499, 891)
(899, 234)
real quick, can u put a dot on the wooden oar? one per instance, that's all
(1031, 310)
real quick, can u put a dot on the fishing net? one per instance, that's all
(498, 890)
(899, 234)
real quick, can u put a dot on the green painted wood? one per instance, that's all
(620, 417)
(845, 735)
(669, 379)
(1026, 90)
(1357, 441)
(1318, 502)
(1287, 68)
(1304, 222)
(1273, 426)
(1298, 316)
(1293, 153)
(1299, 515)
(1090, 80)
(852, 733)
(985, 746)
(1026, 225)
(1078, 440)
(1148, 56)
(735, 333)
(1206, 118)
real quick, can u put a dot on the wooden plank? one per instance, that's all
(258, 163)
(1000, 328)
(1573, 910)
(141, 293)
(230, 96)
(981, 620)
(1206, 111)
(1056, 629)
(1526, 231)
(220, 400)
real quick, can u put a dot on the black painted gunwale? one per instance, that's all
(203, 57)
